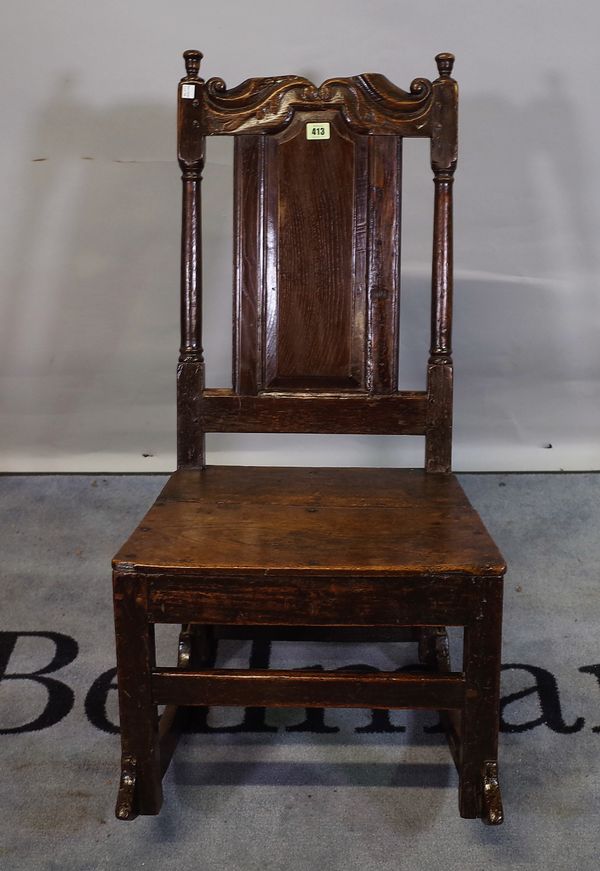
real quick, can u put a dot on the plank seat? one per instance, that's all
(235, 520)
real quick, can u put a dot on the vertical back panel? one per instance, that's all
(314, 300)
(317, 260)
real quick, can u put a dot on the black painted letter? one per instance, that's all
(595, 670)
(547, 690)
(95, 701)
(60, 696)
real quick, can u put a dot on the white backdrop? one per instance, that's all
(89, 229)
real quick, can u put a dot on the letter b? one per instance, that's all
(60, 696)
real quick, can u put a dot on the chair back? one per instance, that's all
(317, 227)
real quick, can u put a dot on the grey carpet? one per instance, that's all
(283, 790)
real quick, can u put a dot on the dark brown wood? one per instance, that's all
(480, 715)
(190, 439)
(438, 441)
(250, 521)
(140, 779)
(190, 371)
(434, 653)
(443, 123)
(368, 103)
(171, 726)
(309, 247)
(433, 648)
(312, 554)
(382, 254)
(438, 448)
(175, 719)
(221, 410)
(249, 227)
(310, 601)
(197, 648)
(306, 689)
(441, 304)
(317, 243)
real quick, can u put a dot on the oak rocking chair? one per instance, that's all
(360, 553)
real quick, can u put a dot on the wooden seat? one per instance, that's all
(246, 521)
(346, 554)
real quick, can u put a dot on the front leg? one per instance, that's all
(140, 788)
(479, 789)
(493, 813)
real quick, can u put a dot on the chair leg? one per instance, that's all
(434, 654)
(479, 790)
(433, 648)
(140, 790)
(203, 646)
(196, 650)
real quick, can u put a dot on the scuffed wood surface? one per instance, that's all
(256, 519)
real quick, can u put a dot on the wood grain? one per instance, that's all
(368, 103)
(308, 600)
(407, 413)
(342, 521)
(317, 271)
(138, 716)
(306, 689)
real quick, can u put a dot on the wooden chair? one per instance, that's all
(358, 553)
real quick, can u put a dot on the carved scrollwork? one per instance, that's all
(368, 103)
(215, 86)
(420, 86)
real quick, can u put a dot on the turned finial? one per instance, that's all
(445, 62)
(192, 59)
